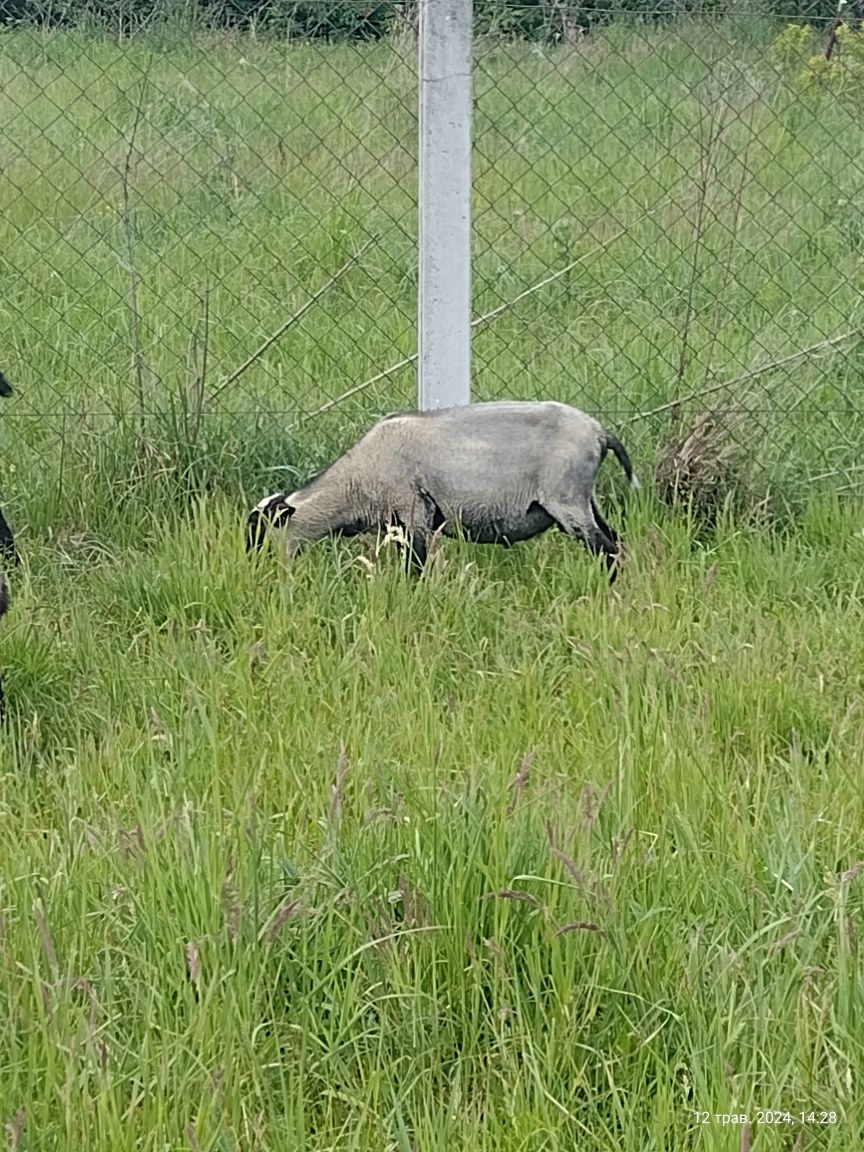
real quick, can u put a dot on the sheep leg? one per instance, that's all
(602, 524)
(415, 548)
(8, 551)
(415, 553)
(416, 518)
(582, 523)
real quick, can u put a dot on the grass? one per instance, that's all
(503, 861)
(218, 923)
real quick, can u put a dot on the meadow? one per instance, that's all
(504, 859)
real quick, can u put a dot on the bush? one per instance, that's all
(301, 19)
(803, 62)
(543, 20)
(313, 19)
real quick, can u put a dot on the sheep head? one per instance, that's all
(271, 511)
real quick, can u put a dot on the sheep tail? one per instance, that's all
(620, 453)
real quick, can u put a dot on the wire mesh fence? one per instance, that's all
(208, 241)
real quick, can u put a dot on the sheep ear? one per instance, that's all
(277, 508)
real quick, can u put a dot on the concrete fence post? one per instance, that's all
(444, 303)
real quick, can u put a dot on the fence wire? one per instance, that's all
(668, 226)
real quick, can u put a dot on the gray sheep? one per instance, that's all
(496, 473)
(8, 551)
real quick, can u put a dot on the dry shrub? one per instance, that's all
(709, 467)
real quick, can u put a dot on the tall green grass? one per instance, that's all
(501, 860)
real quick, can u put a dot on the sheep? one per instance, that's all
(495, 472)
(8, 551)
(8, 554)
(452, 470)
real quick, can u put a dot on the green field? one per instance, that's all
(503, 860)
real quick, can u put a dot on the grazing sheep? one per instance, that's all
(497, 473)
(4, 605)
(8, 553)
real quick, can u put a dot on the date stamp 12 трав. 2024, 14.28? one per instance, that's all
(776, 1117)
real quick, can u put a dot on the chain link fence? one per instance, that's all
(208, 243)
